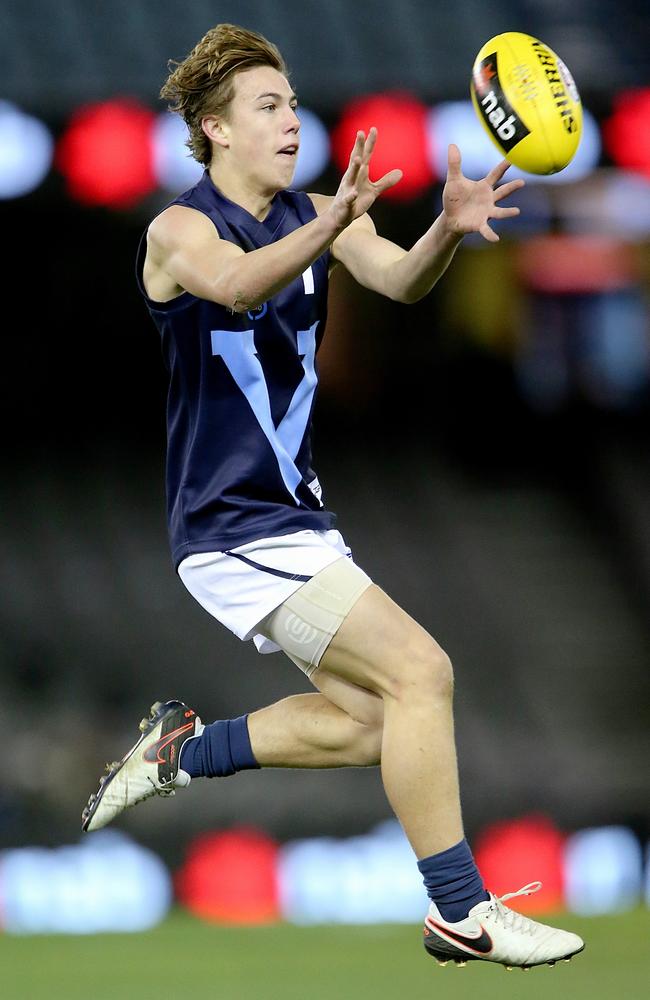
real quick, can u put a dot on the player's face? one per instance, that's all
(263, 128)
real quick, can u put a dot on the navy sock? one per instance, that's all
(222, 749)
(453, 882)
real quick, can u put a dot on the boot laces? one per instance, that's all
(516, 921)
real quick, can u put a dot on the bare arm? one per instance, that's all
(385, 267)
(185, 246)
(407, 276)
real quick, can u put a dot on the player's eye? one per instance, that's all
(268, 107)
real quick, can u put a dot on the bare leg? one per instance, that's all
(387, 690)
(341, 727)
(307, 730)
(383, 649)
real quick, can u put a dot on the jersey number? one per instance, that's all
(239, 354)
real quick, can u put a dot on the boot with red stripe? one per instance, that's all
(492, 932)
(151, 766)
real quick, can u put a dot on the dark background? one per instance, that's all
(511, 521)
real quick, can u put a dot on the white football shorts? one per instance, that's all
(242, 586)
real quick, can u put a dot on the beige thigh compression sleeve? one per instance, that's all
(304, 625)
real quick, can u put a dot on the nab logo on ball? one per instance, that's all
(493, 105)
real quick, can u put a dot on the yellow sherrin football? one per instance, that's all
(527, 101)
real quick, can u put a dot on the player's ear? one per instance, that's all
(216, 130)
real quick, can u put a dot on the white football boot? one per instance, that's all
(492, 932)
(149, 768)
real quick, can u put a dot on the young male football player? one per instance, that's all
(234, 273)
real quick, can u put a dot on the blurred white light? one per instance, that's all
(456, 121)
(173, 165)
(106, 883)
(368, 879)
(620, 206)
(26, 150)
(314, 152)
(603, 870)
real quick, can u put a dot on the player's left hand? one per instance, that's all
(469, 205)
(356, 191)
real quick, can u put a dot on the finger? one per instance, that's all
(389, 180)
(504, 213)
(370, 144)
(352, 172)
(496, 173)
(453, 161)
(357, 149)
(506, 189)
(488, 233)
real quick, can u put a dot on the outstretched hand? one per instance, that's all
(356, 191)
(469, 205)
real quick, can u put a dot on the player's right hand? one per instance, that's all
(356, 191)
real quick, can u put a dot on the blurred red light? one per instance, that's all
(570, 264)
(511, 854)
(106, 154)
(401, 123)
(230, 878)
(627, 131)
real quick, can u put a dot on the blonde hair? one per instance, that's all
(203, 83)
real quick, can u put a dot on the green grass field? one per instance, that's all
(184, 958)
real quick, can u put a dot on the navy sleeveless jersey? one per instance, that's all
(241, 393)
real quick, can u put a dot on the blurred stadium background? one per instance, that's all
(485, 450)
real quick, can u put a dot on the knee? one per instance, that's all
(424, 672)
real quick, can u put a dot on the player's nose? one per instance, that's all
(293, 122)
